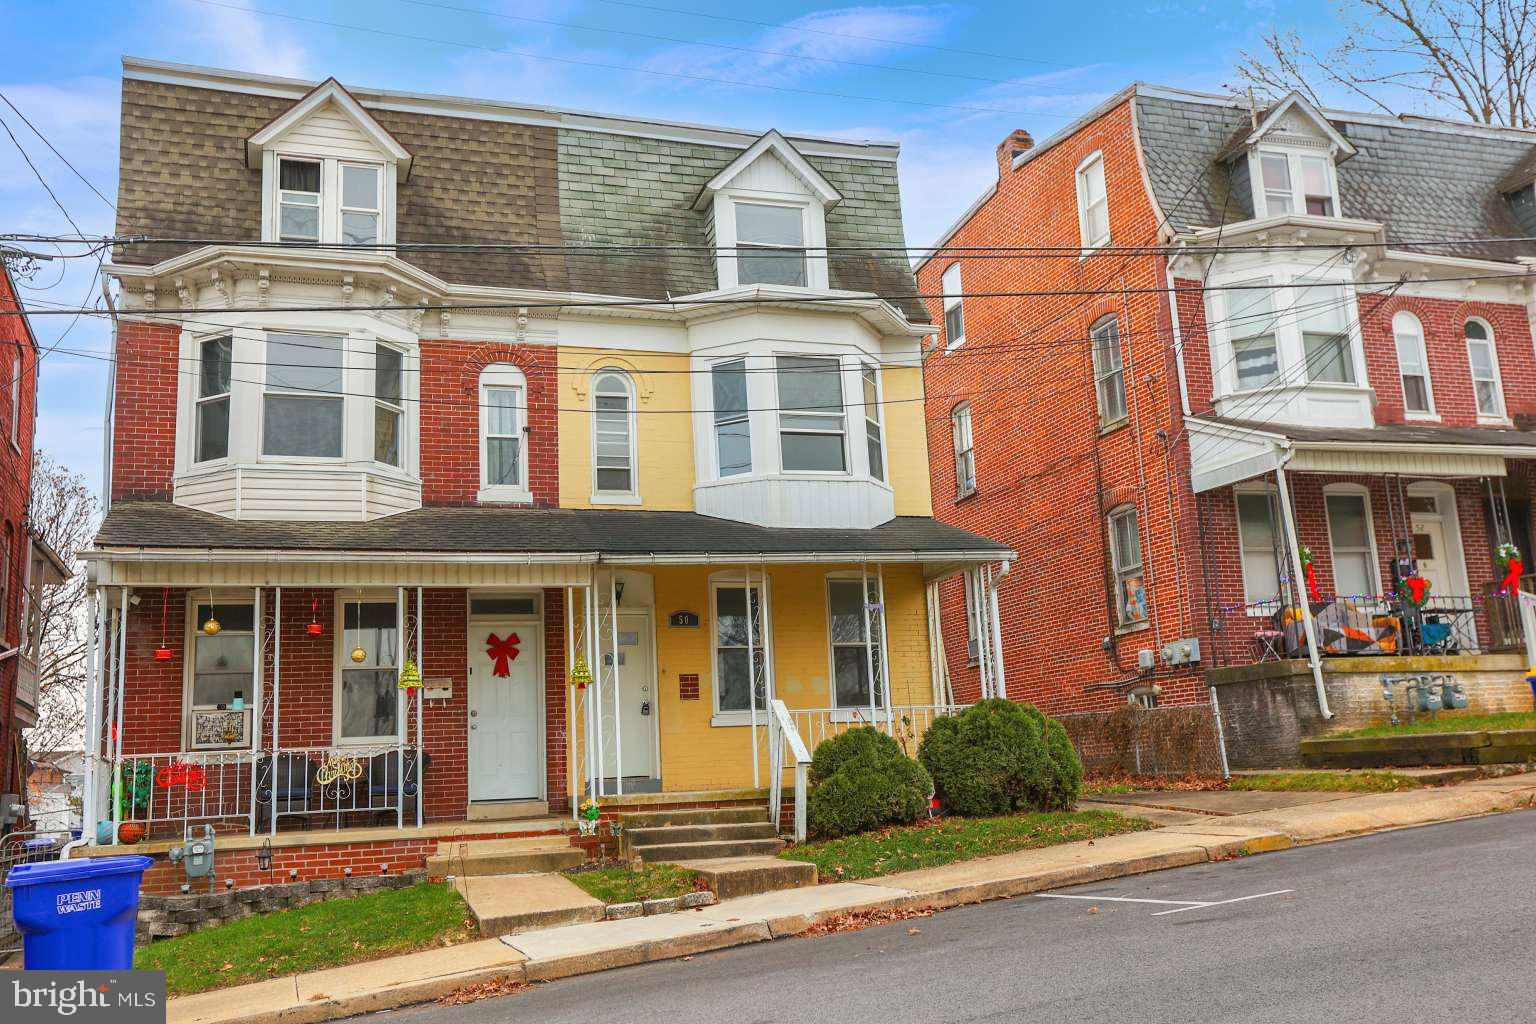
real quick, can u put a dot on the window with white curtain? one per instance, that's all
(1092, 202)
(1349, 536)
(1252, 329)
(1413, 364)
(1258, 531)
(1487, 388)
(954, 307)
(733, 417)
(811, 419)
(849, 624)
(388, 404)
(213, 373)
(613, 434)
(303, 410)
(1108, 371)
(965, 453)
(298, 192)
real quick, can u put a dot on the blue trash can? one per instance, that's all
(77, 914)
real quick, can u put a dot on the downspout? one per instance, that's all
(1298, 576)
(999, 684)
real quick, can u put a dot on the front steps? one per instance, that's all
(478, 857)
(703, 833)
(731, 877)
(507, 810)
(508, 904)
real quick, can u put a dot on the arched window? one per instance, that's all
(1413, 364)
(613, 434)
(1487, 387)
(503, 434)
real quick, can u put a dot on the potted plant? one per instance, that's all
(135, 784)
(586, 821)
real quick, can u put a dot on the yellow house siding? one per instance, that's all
(906, 443)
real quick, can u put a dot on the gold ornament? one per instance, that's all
(212, 627)
(410, 675)
(359, 655)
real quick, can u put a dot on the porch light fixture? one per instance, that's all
(314, 628)
(264, 857)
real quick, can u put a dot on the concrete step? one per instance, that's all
(508, 904)
(503, 856)
(710, 850)
(660, 835)
(507, 810)
(695, 816)
(731, 877)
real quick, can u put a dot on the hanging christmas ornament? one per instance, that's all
(581, 675)
(163, 652)
(1309, 574)
(359, 655)
(211, 625)
(410, 675)
(314, 628)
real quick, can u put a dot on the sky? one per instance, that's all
(948, 81)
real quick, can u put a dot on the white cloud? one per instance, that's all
(244, 39)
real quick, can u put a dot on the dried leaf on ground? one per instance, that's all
(860, 919)
(484, 990)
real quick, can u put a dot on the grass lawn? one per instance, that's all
(1333, 782)
(1448, 721)
(329, 934)
(946, 840)
(621, 885)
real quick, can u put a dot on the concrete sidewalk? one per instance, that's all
(583, 948)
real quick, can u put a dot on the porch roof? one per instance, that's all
(1227, 451)
(139, 528)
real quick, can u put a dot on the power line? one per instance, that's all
(681, 75)
(61, 156)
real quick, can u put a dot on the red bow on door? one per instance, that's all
(501, 651)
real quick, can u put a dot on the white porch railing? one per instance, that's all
(182, 787)
(786, 749)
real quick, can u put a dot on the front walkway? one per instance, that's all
(584, 948)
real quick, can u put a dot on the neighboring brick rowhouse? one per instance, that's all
(18, 361)
(1045, 473)
(144, 410)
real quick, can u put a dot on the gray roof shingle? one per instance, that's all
(159, 524)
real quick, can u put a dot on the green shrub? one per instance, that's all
(866, 792)
(996, 758)
(832, 754)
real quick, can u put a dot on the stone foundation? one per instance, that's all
(162, 917)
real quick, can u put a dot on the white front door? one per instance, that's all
(1433, 555)
(505, 738)
(637, 701)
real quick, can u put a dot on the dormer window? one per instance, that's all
(770, 244)
(298, 216)
(1295, 182)
(362, 203)
(327, 202)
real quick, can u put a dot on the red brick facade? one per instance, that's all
(144, 410)
(18, 362)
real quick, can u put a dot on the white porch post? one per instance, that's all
(91, 812)
(618, 725)
(572, 779)
(421, 738)
(400, 709)
(1299, 572)
(999, 680)
(595, 699)
(751, 675)
(885, 652)
(256, 695)
(120, 642)
(869, 637)
(277, 695)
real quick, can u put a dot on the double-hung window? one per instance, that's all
(213, 372)
(15, 386)
(1092, 203)
(1413, 364)
(740, 651)
(1349, 536)
(874, 436)
(854, 629)
(770, 244)
(1108, 371)
(1125, 564)
(298, 198)
(1296, 183)
(502, 414)
(1323, 314)
(303, 410)
(811, 419)
(1252, 329)
(954, 307)
(965, 452)
(7, 552)
(1257, 542)
(368, 701)
(1486, 386)
(388, 404)
(613, 428)
(222, 667)
(362, 203)
(973, 637)
(733, 421)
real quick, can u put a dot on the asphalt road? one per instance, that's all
(1433, 924)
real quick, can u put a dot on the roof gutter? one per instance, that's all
(108, 554)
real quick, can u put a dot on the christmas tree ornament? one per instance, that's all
(581, 675)
(410, 675)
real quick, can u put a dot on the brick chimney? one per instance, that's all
(1018, 141)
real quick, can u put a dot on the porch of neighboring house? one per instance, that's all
(320, 717)
(1391, 558)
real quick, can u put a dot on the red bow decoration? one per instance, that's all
(1312, 583)
(1418, 589)
(502, 651)
(1513, 572)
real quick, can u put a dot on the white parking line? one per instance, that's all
(1179, 905)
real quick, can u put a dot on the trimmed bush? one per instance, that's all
(863, 781)
(998, 757)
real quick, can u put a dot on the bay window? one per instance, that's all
(1487, 388)
(388, 410)
(1253, 331)
(854, 637)
(613, 432)
(1125, 566)
(874, 439)
(1413, 364)
(367, 701)
(740, 651)
(1325, 339)
(811, 418)
(212, 428)
(733, 420)
(303, 407)
(770, 244)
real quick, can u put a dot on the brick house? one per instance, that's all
(27, 564)
(1228, 360)
(414, 386)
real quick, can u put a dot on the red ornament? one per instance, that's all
(1312, 583)
(501, 652)
(1511, 583)
(314, 629)
(163, 654)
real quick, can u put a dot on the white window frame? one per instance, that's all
(1406, 326)
(802, 207)
(631, 496)
(973, 637)
(874, 421)
(877, 682)
(341, 660)
(8, 535)
(739, 416)
(199, 400)
(1373, 573)
(342, 342)
(841, 417)
(15, 387)
(1090, 169)
(1113, 374)
(1121, 572)
(951, 283)
(1294, 157)
(1497, 380)
(377, 209)
(735, 581)
(962, 433)
(330, 199)
(280, 200)
(1260, 606)
(395, 407)
(510, 378)
(191, 631)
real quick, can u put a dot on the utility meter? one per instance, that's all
(195, 854)
(1453, 695)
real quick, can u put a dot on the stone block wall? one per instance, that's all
(163, 917)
